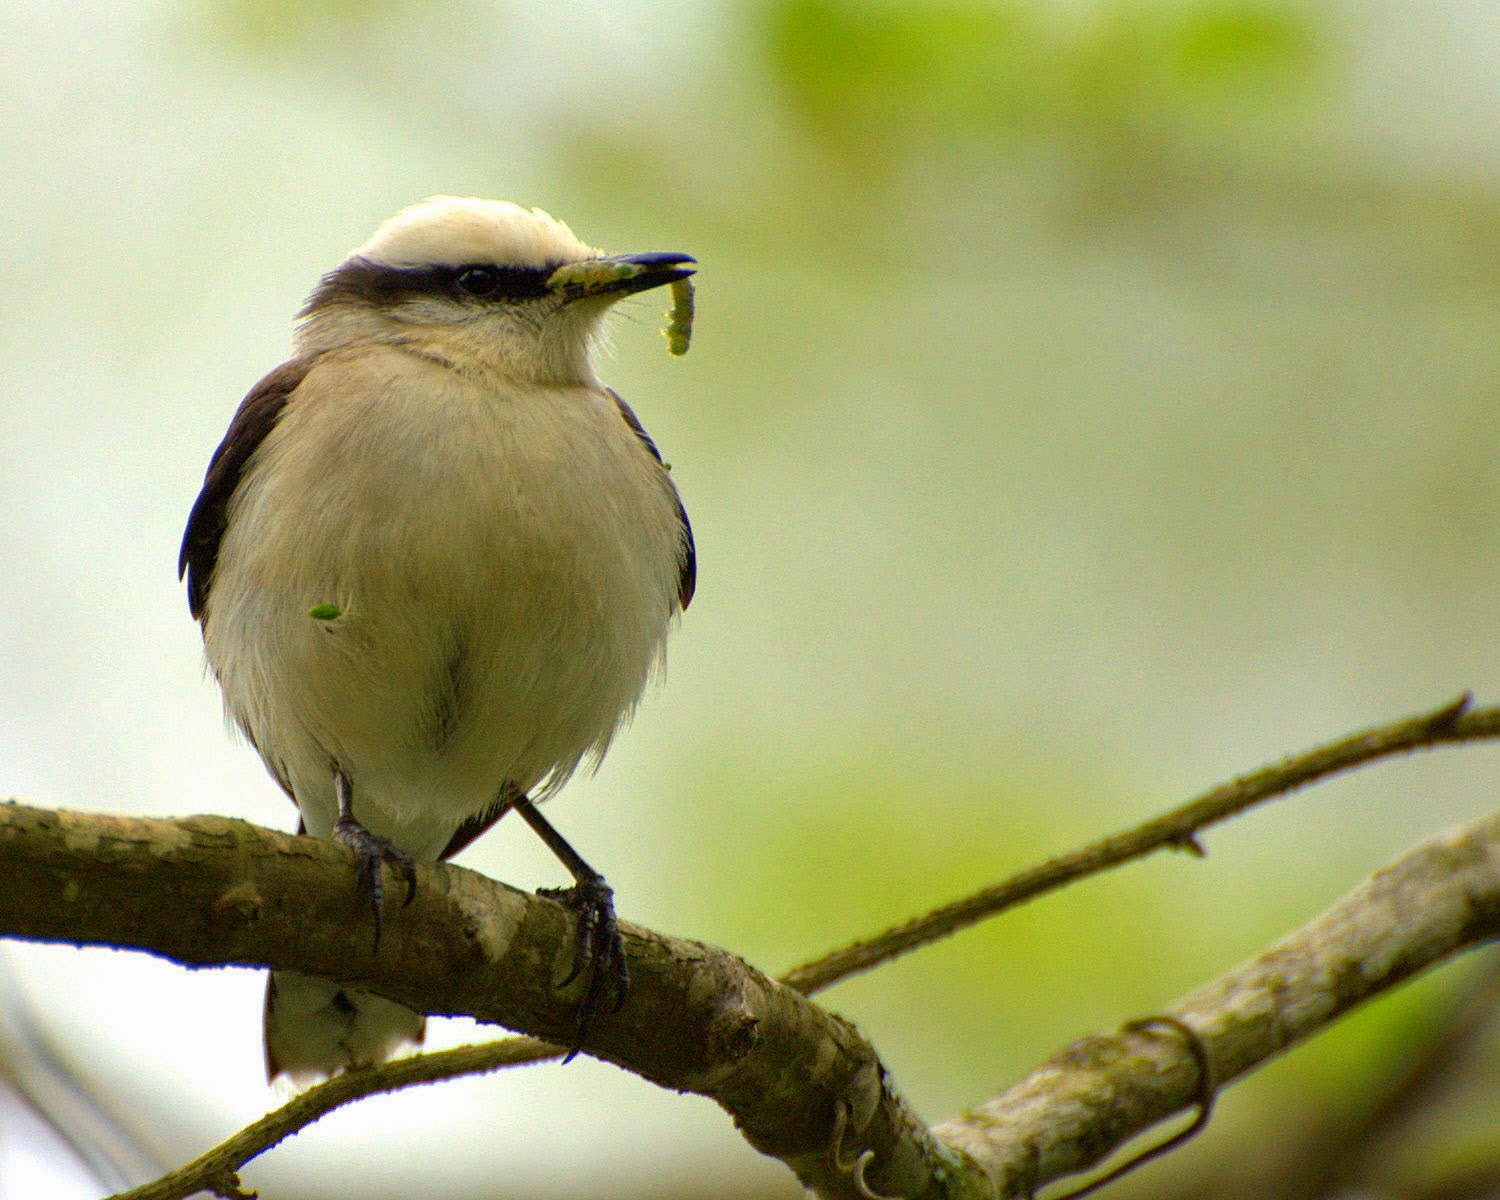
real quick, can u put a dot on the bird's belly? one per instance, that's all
(499, 614)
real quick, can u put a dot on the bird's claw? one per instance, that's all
(370, 851)
(598, 953)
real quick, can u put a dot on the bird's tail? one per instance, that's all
(316, 1028)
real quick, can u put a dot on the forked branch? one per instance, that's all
(802, 1084)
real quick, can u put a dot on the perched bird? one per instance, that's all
(435, 560)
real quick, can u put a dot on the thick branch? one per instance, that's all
(211, 891)
(1436, 900)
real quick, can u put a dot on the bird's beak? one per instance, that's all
(620, 274)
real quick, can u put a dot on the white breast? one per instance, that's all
(506, 561)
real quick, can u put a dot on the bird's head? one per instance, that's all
(483, 283)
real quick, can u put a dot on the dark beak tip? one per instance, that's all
(662, 260)
(658, 267)
(622, 273)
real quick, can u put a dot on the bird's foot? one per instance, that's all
(370, 851)
(598, 954)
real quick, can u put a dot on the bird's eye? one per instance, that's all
(478, 281)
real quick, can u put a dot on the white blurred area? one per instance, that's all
(876, 580)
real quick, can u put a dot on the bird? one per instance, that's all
(435, 561)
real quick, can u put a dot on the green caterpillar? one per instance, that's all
(679, 331)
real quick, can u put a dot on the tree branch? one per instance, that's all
(703, 1021)
(1176, 830)
(214, 891)
(1344, 1148)
(802, 1084)
(1431, 903)
(218, 1170)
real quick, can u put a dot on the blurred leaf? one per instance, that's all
(1141, 64)
(870, 79)
(866, 76)
(845, 852)
(1221, 48)
(269, 23)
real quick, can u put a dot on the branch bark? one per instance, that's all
(1433, 902)
(207, 890)
(802, 1084)
(213, 891)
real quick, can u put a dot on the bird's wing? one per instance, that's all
(480, 822)
(688, 579)
(254, 419)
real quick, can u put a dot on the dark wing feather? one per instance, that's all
(688, 580)
(254, 419)
(480, 822)
(467, 833)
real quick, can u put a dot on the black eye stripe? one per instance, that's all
(501, 283)
(382, 285)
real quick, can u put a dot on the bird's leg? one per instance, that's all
(599, 953)
(371, 851)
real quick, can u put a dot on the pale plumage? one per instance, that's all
(502, 542)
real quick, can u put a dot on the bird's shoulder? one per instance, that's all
(688, 576)
(253, 420)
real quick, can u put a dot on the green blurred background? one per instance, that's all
(1090, 400)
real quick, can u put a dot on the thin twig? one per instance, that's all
(1177, 829)
(216, 1171)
